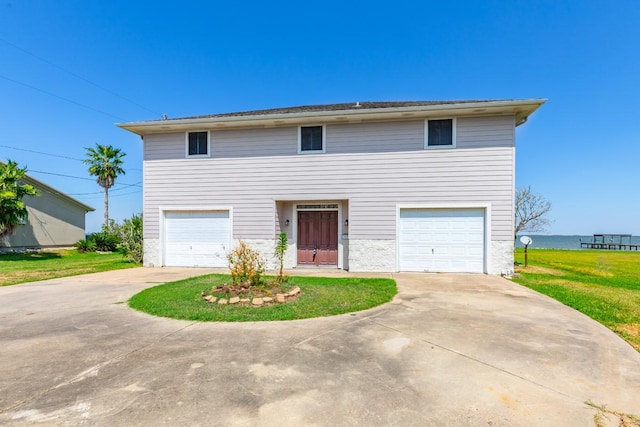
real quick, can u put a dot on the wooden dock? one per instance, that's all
(613, 242)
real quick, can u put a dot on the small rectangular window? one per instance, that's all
(312, 139)
(198, 144)
(440, 133)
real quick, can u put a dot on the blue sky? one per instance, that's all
(128, 61)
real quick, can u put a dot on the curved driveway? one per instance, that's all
(449, 350)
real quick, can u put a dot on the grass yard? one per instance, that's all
(28, 267)
(604, 285)
(320, 297)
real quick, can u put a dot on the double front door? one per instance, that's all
(318, 238)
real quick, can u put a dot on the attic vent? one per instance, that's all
(312, 207)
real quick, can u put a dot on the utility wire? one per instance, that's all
(52, 155)
(117, 195)
(81, 177)
(60, 174)
(63, 98)
(124, 187)
(78, 76)
(40, 152)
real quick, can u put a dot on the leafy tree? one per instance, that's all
(531, 210)
(12, 209)
(105, 163)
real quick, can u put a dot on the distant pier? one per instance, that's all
(614, 242)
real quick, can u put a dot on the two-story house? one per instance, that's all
(364, 186)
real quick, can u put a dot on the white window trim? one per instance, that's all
(324, 140)
(186, 144)
(440, 147)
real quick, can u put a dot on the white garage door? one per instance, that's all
(441, 240)
(196, 238)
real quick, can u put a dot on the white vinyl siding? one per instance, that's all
(375, 137)
(361, 165)
(471, 132)
(196, 238)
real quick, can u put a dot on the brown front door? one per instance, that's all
(318, 238)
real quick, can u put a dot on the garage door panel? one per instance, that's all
(443, 240)
(197, 238)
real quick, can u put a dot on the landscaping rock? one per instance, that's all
(293, 292)
(223, 301)
(281, 297)
(243, 300)
(234, 300)
(257, 301)
(210, 298)
(267, 299)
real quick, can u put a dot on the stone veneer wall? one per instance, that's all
(363, 255)
(151, 249)
(372, 255)
(266, 249)
(501, 257)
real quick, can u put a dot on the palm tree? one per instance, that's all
(105, 163)
(12, 209)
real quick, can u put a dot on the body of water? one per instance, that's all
(564, 242)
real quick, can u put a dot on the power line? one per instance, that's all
(124, 187)
(78, 76)
(81, 177)
(117, 195)
(52, 155)
(40, 152)
(63, 98)
(60, 174)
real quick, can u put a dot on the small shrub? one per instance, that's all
(246, 265)
(131, 238)
(104, 242)
(281, 249)
(85, 246)
(114, 229)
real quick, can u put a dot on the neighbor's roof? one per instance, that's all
(342, 113)
(41, 186)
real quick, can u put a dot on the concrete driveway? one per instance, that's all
(449, 350)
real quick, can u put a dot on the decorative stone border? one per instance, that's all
(282, 298)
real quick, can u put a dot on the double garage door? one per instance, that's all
(442, 240)
(196, 238)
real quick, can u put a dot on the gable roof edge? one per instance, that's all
(51, 190)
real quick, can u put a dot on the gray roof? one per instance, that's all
(343, 113)
(366, 105)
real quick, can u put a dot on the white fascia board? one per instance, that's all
(522, 108)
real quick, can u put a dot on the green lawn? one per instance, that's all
(320, 297)
(604, 285)
(28, 267)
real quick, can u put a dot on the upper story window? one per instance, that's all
(311, 139)
(197, 144)
(440, 133)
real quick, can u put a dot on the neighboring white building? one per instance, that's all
(55, 220)
(371, 186)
